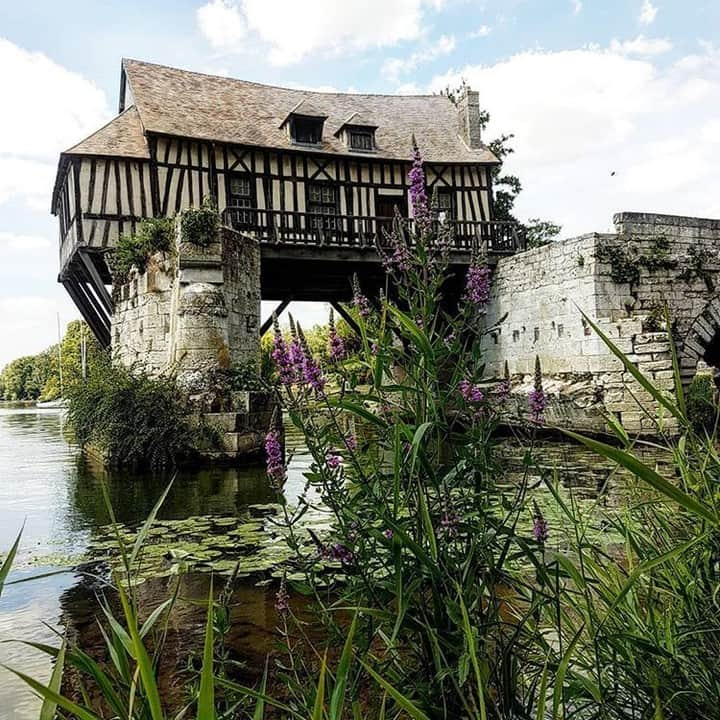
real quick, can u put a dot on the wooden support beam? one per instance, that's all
(345, 315)
(275, 313)
(87, 310)
(95, 280)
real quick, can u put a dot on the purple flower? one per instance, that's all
(274, 457)
(541, 529)
(449, 522)
(418, 193)
(281, 356)
(338, 551)
(308, 370)
(312, 374)
(502, 391)
(282, 599)
(337, 344)
(471, 393)
(388, 534)
(477, 284)
(374, 349)
(332, 459)
(351, 442)
(537, 400)
(360, 301)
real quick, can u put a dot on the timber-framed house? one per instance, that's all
(293, 167)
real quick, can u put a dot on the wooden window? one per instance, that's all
(444, 201)
(361, 140)
(241, 200)
(307, 130)
(322, 200)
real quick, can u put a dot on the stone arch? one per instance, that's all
(702, 340)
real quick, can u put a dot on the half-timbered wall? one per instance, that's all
(114, 193)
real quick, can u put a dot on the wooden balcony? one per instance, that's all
(354, 232)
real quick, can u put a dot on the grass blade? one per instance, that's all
(319, 707)
(405, 703)
(259, 713)
(49, 706)
(648, 475)
(143, 532)
(337, 698)
(8, 561)
(206, 696)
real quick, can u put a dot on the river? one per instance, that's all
(49, 488)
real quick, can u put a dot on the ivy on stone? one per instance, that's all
(200, 226)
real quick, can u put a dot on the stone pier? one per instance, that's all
(195, 313)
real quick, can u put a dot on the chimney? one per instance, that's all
(468, 110)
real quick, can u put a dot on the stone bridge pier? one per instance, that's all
(622, 281)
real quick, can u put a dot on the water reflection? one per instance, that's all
(47, 483)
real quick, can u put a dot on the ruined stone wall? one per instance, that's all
(621, 281)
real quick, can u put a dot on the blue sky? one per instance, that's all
(589, 87)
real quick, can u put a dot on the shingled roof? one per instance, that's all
(188, 104)
(121, 137)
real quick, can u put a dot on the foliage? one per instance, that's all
(541, 232)
(626, 258)
(702, 403)
(36, 377)
(200, 226)
(152, 235)
(134, 418)
(697, 267)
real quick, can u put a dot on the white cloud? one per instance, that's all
(580, 115)
(648, 11)
(50, 109)
(222, 24)
(24, 242)
(481, 32)
(294, 30)
(577, 7)
(394, 67)
(642, 45)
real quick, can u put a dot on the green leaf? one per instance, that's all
(259, 713)
(470, 641)
(647, 474)
(661, 398)
(319, 707)
(406, 704)
(418, 336)
(49, 706)
(562, 670)
(145, 666)
(206, 696)
(48, 693)
(142, 533)
(337, 698)
(8, 561)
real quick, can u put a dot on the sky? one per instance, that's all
(614, 104)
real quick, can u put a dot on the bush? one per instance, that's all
(134, 418)
(701, 404)
(200, 226)
(152, 235)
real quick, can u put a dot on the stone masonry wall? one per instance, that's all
(536, 303)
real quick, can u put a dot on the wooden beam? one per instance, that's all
(345, 315)
(96, 281)
(275, 313)
(98, 327)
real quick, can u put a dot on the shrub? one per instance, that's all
(134, 418)
(200, 226)
(152, 235)
(701, 403)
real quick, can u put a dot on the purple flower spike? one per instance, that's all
(471, 393)
(274, 457)
(360, 301)
(541, 529)
(336, 343)
(332, 459)
(477, 284)
(282, 600)
(418, 193)
(281, 357)
(537, 400)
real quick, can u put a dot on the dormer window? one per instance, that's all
(306, 130)
(304, 124)
(361, 139)
(358, 132)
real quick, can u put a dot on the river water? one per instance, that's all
(49, 488)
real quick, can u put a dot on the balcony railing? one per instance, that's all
(356, 231)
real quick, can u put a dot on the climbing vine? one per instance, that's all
(626, 260)
(697, 269)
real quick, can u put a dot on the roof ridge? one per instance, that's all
(283, 87)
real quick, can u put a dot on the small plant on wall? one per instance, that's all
(200, 226)
(152, 235)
